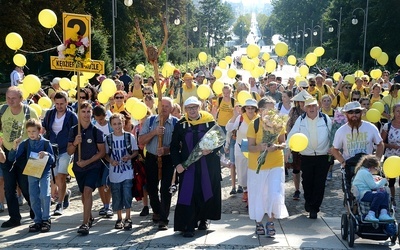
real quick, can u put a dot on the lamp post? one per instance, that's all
(177, 21)
(316, 33)
(298, 36)
(306, 35)
(354, 21)
(339, 23)
(127, 3)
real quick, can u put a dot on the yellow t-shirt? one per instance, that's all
(138, 93)
(225, 112)
(364, 90)
(315, 93)
(325, 89)
(374, 99)
(274, 159)
(186, 92)
(342, 100)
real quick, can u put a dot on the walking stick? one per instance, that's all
(152, 54)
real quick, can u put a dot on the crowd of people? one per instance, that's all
(110, 150)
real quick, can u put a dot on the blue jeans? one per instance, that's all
(121, 195)
(11, 178)
(379, 200)
(39, 194)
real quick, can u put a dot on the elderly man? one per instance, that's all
(314, 159)
(274, 92)
(188, 89)
(149, 136)
(13, 116)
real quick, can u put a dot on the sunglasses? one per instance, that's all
(312, 85)
(357, 111)
(347, 87)
(119, 97)
(305, 87)
(355, 99)
(147, 93)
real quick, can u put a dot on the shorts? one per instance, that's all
(62, 164)
(103, 179)
(296, 163)
(87, 178)
(121, 195)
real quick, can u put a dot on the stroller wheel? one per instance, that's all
(344, 226)
(352, 229)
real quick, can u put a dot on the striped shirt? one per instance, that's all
(153, 144)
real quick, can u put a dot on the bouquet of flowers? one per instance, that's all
(272, 124)
(75, 49)
(214, 138)
(338, 120)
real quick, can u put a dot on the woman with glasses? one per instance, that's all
(119, 104)
(344, 95)
(240, 123)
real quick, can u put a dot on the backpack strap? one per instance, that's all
(152, 118)
(280, 106)
(326, 89)
(387, 136)
(254, 95)
(128, 144)
(256, 124)
(109, 141)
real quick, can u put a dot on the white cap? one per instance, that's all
(192, 100)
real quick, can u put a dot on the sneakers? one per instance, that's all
(240, 190)
(145, 211)
(59, 210)
(329, 176)
(67, 198)
(296, 195)
(83, 229)
(109, 213)
(371, 218)
(233, 191)
(20, 200)
(1, 207)
(102, 211)
(385, 218)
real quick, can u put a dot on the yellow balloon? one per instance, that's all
(398, 60)
(47, 18)
(14, 41)
(83, 81)
(73, 85)
(74, 78)
(65, 83)
(155, 88)
(376, 73)
(254, 73)
(70, 172)
(129, 103)
(350, 78)
(319, 51)
(217, 87)
(298, 142)
(88, 75)
(248, 65)
(228, 59)
(253, 50)
(383, 59)
(292, 60)
(19, 60)
(37, 108)
(108, 87)
(303, 70)
(25, 93)
(385, 93)
(256, 61)
(391, 167)
(260, 70)
(379, 106)
(140, 68)
(102, 97)
(311, 59)
(202, 56)
(231, 73)
(222, 64)
(217, 73)
(203, 91)
(270, 65)
(243, 96)
(336, 76)
(72, 93)
(166, 71)
(45, 102)
(140, 110)
(31, 83)
(359, 73)
(299, 79)
(375, 52)
(266, 56)
(281, 49)
(373, 115)
(244, 59)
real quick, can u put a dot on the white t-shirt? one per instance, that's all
(58, 123)
(124, 170)
(361, 142)
(283, 110)
(106, 129)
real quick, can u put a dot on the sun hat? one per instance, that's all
(192, 100)
(250, 103)
(303, 84)
(56, 80)
(310, 101)
(187, 76)
(301, 96)
(351, 106)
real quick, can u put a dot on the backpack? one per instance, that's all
(127, 139)
(3, 109)
(153, 117)
(320, 114)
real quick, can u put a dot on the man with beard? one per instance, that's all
(355, 138)
(175, 84)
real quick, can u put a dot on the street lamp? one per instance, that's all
(354, 21)
(298, 36)
(339, 23)
(306, 35)
(127, 3)
(177, 21)
(315, 33)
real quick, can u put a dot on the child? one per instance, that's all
(121, 148)
(39, 188)
(371, 188)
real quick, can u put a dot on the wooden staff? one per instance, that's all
(152, 54)
(79, 110)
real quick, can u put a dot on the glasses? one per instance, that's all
(357, 111)
(347, 87)
(119, 97)
(191, 108)
(312, 85)
(305, 87)
(147, 93)
(365, 80)
(355, 99)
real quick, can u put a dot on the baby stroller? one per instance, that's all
(352, 222)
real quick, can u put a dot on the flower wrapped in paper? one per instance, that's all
(214, 138)
(75, 49)
(272, 125)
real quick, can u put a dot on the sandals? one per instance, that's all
(35, 228)
(260, 229)
(270, 226)
(128, 224)
(119, 224)
(46, 226)
(83, 229)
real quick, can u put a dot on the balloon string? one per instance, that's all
(55, 33)
(37, 52)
